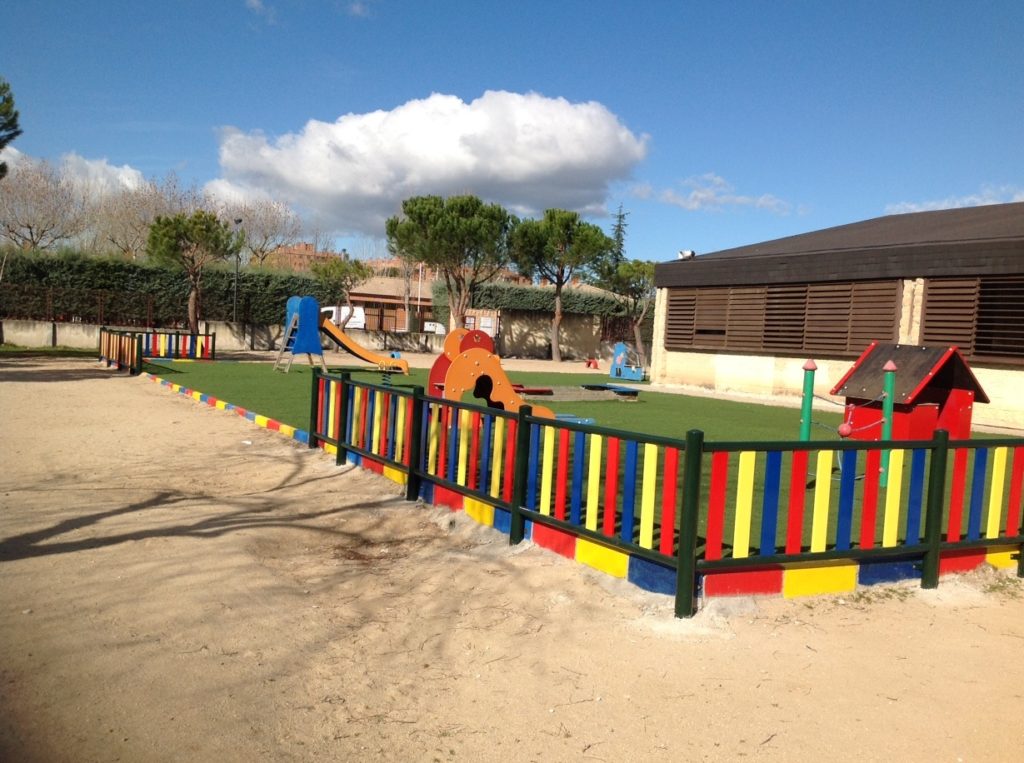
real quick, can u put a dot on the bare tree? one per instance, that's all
(122, 218)
(40, 206)
(268, 226)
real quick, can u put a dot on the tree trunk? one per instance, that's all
(640, 350)
(193, 309)
(556, 322)
(349, 314)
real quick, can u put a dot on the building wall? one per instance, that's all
(528, 335)
(778, 379)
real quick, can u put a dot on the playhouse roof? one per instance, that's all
(917, 370)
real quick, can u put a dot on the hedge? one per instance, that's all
(72, 286)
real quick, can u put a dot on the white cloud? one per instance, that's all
(525, 151)
(711, 191)
(359, 10)
(261, 9)
(98, 175)
(988, 195)
(93, 176)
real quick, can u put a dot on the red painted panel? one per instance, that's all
(273, 425)
(442, 442)
(445, 497)
(561, 473)
(745, 582)
(474, 449)
(668, 501)
(797, 498)
(960, 561)
(558, 541)
(956, 495)
(510, 459)
(385, 411)
(716, 505)
(372, 465)
(869, 508)
(1014, 506)
(408, 429)
(611, 486)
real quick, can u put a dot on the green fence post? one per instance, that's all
(313, 418)
(807, 401)
(936, 501)
(137, 369)
(339, 457)
(889, 388)
(213, 346)
(100, 350)
(517, 526)
(686, 558)
(415, 445)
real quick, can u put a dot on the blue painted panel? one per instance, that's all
(484, 484)
(914, 499)
(770, 504)
(977, 493)
(651, 576)
(629, 491)
(887, 571)
(844, 520)
(531, 474)
(579, 448)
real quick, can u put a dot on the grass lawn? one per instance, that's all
(285, 397)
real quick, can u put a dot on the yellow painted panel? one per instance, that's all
(593, 481)
(395, 475)
(499, 444)
(287, 431)
(479, 511)
(650, 480)
(260, 421)
(432, 439)
(463, 447)
(602, 558)
(1002, 559)
(400, 429)
(222, 404)
(547, 471)
(197, 395)
(357, 398)
(330, 448)
(825, 577)
(995, 498)
(744, 502)
(378, 398)
(890, 526)
(822, 498)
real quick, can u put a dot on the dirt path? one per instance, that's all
(178, 584)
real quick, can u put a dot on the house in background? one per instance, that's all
(745, 320)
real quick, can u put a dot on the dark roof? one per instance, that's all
(951, 242)
(919, 372)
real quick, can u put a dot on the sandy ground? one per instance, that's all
(178, 584)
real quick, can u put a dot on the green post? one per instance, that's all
(517, 526)
(686, 558)
(808, 400)
(889, 390)
(415, 445)
(339, 457)
(100, 350)
(313, 422)
(213, 346)
(936, 500)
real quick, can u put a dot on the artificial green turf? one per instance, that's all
(285, 397)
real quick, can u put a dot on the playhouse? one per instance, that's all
(934, 389)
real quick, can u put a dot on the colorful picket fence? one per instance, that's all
(786, 517)
(122, 349)
(178, 345)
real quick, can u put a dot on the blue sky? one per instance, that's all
(714, 124)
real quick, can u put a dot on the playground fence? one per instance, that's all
(153, 343)
(679, 516)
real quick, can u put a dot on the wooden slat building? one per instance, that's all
(949, 277)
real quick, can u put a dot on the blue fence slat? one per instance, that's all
(485, 453)
(977, 493)
(629, 491)
(770, 504)
(844, 520)
(531, 473)
(916, 496)
(578, 450)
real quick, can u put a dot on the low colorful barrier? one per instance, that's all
(122, 349)
(687, 516)
(126, 348)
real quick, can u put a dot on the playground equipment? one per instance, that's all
(304, 324)
(933, 389)
(467, 363)
(626, 363)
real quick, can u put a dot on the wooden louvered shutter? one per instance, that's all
(744, 327)
(874, 313)
(950, 312)
(999, 330)
(679, 319)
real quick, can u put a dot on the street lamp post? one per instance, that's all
(238, 259)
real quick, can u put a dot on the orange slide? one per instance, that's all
(343, 340)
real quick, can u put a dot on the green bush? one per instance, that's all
(71, 286)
